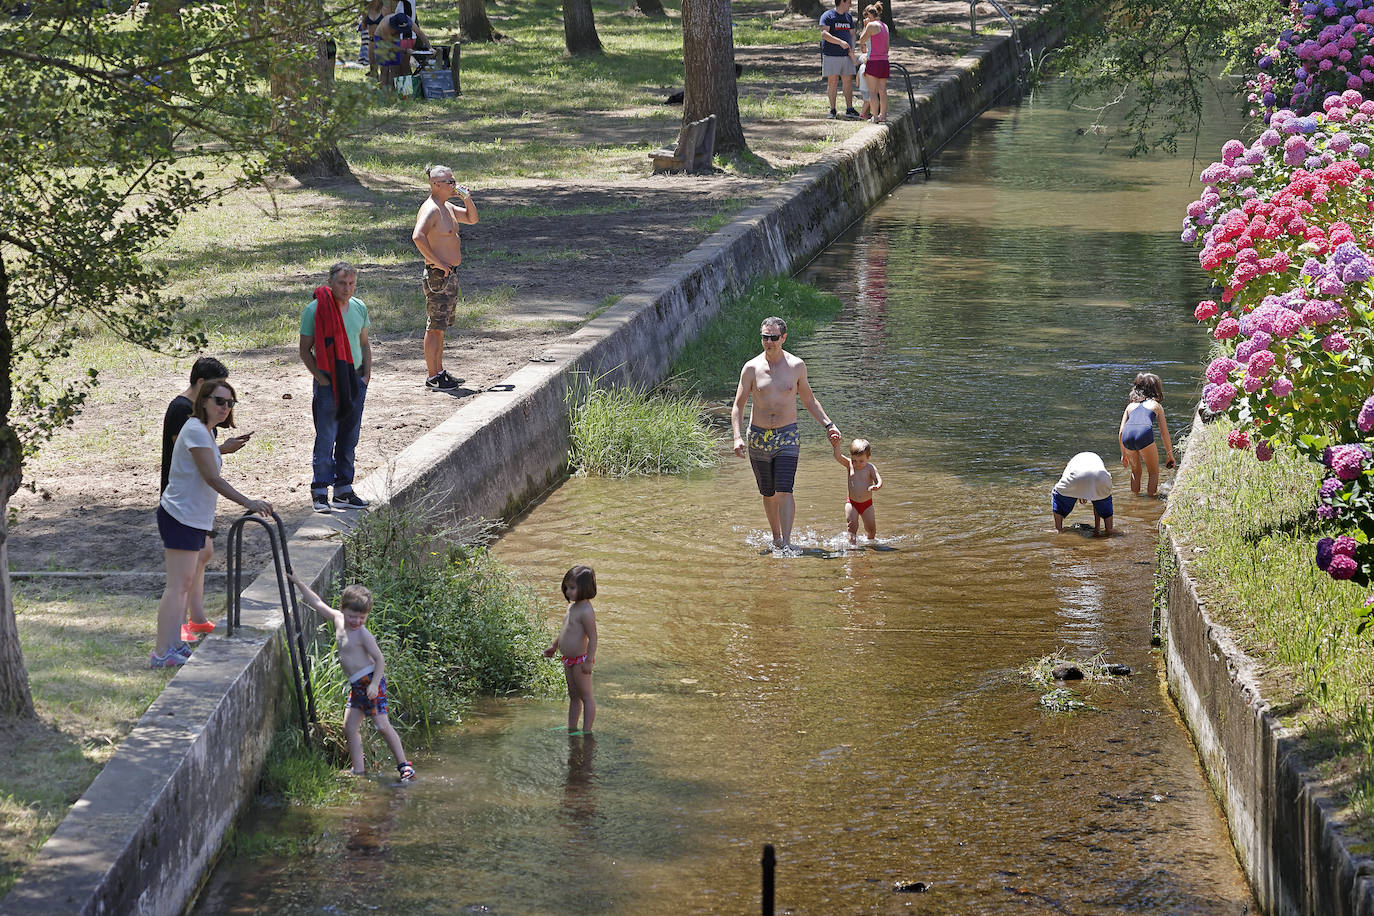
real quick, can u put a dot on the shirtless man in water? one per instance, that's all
(436, 236)
(775, 378)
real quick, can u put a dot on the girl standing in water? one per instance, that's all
(1137, 432)
(576, 644)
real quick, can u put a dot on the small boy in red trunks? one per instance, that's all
(863, 480)
(363, 665)
(576, 643)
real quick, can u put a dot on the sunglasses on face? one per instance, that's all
(452, 181)
(772, 336)
(223, 402)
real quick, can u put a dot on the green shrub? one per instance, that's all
(711, 363)
(619, 432)
(452, 623)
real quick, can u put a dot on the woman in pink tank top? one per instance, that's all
(874, 40)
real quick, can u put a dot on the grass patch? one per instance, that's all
(1249, 530)
(711, 363)
(87, 656)
(621, 432)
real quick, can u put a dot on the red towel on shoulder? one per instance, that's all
(333, 354)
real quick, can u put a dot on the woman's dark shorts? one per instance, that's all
(176, 536)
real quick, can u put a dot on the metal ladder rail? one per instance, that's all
(291, 615)
(1021, 55)
(915, 121)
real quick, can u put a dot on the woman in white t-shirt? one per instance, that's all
(186, 512)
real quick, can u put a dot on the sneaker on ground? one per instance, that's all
(832, 116)
(851, 113)
(183, 649)
(442, 382)
(349, 501)
(319, 502)
(170, 660)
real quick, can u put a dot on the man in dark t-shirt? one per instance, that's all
(837, 55)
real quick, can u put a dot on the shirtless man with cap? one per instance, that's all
(775, 379)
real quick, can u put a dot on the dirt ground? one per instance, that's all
(90, 496)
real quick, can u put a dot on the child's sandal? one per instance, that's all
(406, 770)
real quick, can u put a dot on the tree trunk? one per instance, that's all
(16, 702)
(579, 28)
(708, 59)
(325, 161)
(811, 9)
(651, 8)
(473, 24)
(887, 19)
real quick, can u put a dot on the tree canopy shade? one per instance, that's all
(1154, 59)
(108, 133)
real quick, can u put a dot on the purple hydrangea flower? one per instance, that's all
(1325, 553)
(1344, 546)
(1343, 567)
(1366, 419)
(1219, 396)
(1330, 487)
(1282, 387)
(1335, 342)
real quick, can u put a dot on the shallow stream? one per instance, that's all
(862, 710)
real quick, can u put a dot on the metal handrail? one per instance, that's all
(915, 121)
(1021, 54)
(291, 614)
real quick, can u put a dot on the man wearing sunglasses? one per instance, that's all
(775, 379)
(436, 237)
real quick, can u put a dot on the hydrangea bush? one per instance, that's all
(1285, 228)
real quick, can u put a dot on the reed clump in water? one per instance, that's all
(452, 623)
(711, 363)
(623, 432)
(1247, 530)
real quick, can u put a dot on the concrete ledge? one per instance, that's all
(146, 832)
(1281, 814)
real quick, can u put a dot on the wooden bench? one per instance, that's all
(696, 144)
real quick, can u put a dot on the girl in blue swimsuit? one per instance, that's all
(1137, 433)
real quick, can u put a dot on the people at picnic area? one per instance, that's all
(436, 237)
(1137, 433)
(337, 353)
(186, 512)
(576, 645)
(774, 380)
(863, 481)
(363, 665)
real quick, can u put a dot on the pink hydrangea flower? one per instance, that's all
(1226, 329)
(1260, 363)
(1344, 546)
(1251, 384)
(1237, 438)
(1335, 342)
(1219, 368)
(1205, 309)
(1283, 386)
(1218, 397)
(1263, 450)
(1343, 567)
(1366, 419)
(1286, 322)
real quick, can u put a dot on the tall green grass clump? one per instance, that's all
(711, 363)
(621, 432)
(452, 623)
(1247, 528)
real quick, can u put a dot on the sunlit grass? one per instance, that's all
(86, 655)
(623, 432)
(1248, 529)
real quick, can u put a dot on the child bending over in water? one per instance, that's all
(1137, 433)
(576, 643)
(863, 480)
(1085, 479)
(365, 669)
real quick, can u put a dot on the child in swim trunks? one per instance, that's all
(1085, 479)
(576, 643)
(863, 480)
(365, 669)
(1137, 433)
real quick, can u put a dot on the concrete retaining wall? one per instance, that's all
(1280, 813)
(146, 832)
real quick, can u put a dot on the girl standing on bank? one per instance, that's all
(874, 39)
(186, 512)
(1137, 433)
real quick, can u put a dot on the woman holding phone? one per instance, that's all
(186, 512)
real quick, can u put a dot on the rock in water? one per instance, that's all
(910, 887)
(1068, 673)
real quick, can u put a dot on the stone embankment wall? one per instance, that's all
(1281, 814)
(147, 831)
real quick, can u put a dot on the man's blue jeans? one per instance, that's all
(335, 441)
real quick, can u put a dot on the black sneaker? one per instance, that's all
(852, 114)
(832, 116)
(320, 502)
(349, 501)
(443, 382)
